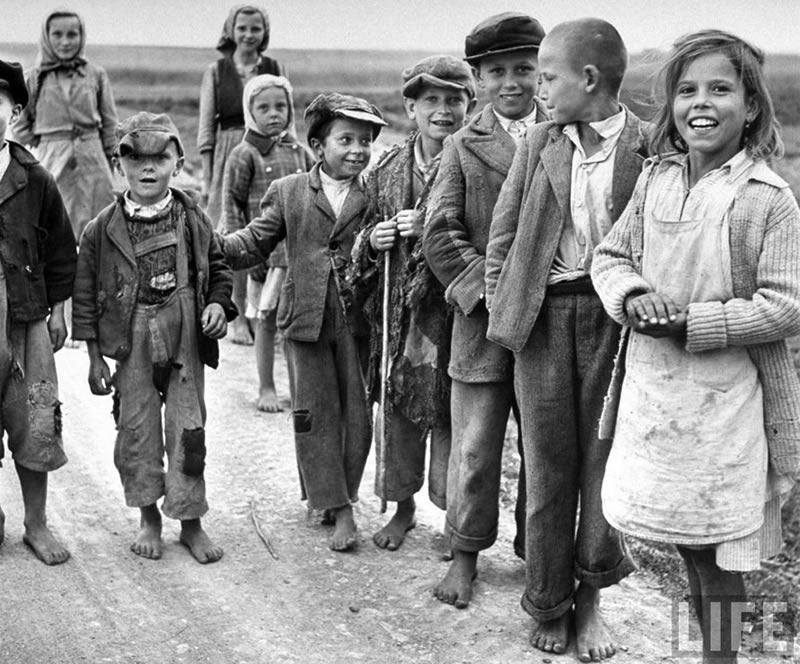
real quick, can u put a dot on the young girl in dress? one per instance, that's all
(71, 118)
(245, 36)
(704, 269)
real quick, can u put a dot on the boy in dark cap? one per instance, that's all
(475, 161)
(153, 292)
(438, 93)
(318, 213)
(37, 268)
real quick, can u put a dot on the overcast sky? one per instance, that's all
(774, 25)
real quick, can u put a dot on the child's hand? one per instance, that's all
(99, 375)
(409, 222)
(213, 321)
(57, 327)
(655, 315)
(258, 272)
(382, 236)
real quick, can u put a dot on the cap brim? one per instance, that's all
(364, 116)
(478, 56)
(148, 143)
(411, 88)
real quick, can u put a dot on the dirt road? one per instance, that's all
(311, 605)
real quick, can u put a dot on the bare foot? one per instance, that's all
(148, 543)
(72, 343)
(194, 538)
(268, 401)
(242, 334)
(44, 544)
(552, 635)
(344, 534)
(594, 643)
(456, 587)
(391, 536)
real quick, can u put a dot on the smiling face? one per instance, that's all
(64, 33)
(710, 108)
(148, 176)
(510, 81)
(248, 32)
(438, 111)
(347, 148)
(270, 109)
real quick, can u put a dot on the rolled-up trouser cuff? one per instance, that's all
(607, 577)
(546, 615)
(471, 544)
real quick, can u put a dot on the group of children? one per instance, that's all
(624, 288)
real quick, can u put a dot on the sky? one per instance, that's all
(430, 25)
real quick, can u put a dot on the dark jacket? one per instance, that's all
(107, 283)
(37, 246)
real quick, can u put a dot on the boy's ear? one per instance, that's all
(476, 73)
(591, 76)
(316, 146)
(117, 165)
(409, 104)
(178, 166)
(470, 107)
(16, 111)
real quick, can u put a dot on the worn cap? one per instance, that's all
(13, 80)
(147, 133)
(443, 71)
(328, 107)
(503, 33)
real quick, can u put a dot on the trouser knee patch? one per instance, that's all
(193, 442)
(44, 411)
(302, 421)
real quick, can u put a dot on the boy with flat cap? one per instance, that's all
(153, 292)
(37, 268)
(318, 213)
(502, 51)
(438, 93)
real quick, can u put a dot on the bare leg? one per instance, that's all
(198, 542)
(265, 363)
(148, 542)
(241, 327)
(391, 536)
(594, 643)
(552, 635)
(37, 535)
(344, 534)
(456, 587)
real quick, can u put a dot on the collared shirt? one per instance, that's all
(134, 209)
(591, 201)
(5, 159)
(335, 190)
(517, 128)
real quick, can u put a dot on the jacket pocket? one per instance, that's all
(286, 304)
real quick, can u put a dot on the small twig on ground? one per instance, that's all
(264, 538)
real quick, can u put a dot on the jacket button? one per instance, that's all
(123, 348)
(269, 169)
(333, 245)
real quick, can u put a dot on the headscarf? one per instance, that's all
(227, 42)
(256, 85)
(47, 59)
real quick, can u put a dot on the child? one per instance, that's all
(703, 268)
(268, 151)
(245, 36)
(438, 93)
(37, 266)
(71, 118)
(503, 52)
(569, 183)
(153, 293)
(318, 213)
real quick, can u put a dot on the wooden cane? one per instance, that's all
(384, 378)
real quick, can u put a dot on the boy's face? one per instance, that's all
(64, 33)
(148, 175)
(511, 81)
(270, 109)
(347, 148)
(563, 88)
(438, 111)
(9, 113)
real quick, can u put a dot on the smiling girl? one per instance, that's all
(703, 268)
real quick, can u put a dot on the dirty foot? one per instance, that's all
(344, 535)
(242, 334)
(44, 544)
(456, 587)
(268, 401)
(194, 538)
(391, 536)
(148, 543)
(552, 635)
(594, 643)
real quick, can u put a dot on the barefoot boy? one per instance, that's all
(153, 292)
(438, 93)
(475, 161)
(569, 182)
(37, 267)
(317, 213)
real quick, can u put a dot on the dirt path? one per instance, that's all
(310, 605)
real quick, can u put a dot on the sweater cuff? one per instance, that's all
(466, 290)
(617, 291)
(705, 327)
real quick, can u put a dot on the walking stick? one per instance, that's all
(384, 380)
